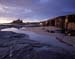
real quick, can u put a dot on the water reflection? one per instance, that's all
(47, 39)
(10, 29)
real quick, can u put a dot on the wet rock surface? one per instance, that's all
(19, 46)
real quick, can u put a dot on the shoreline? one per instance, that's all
(34, 46)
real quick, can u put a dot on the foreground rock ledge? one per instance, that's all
(19, 46)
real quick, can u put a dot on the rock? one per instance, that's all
(19, 46)
(8, 40)
(50, 53)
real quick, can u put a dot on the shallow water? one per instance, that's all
(51, 40)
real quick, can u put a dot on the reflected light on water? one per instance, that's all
(10, 29)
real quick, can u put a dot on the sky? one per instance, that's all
(34, 10)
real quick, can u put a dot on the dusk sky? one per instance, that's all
(34, 10)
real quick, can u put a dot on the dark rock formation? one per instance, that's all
(19, 46)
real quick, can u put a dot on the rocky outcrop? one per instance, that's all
(19, 46)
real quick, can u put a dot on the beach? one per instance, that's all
(33, 43)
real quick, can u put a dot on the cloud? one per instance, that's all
(44, 1)
(27, 10)
(69, 9)
(11, 11)
(6, 19)
(6, 9)
(2, 8)
(36, 9)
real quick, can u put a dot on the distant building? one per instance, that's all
(18, 21)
